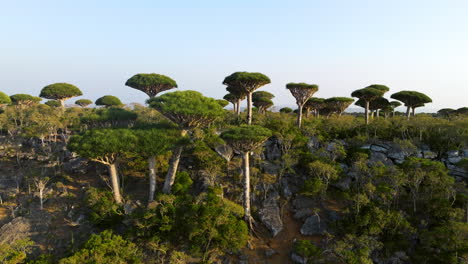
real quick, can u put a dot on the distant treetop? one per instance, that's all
(24, 99)
(248, 81)
(60, 91)
(108, 100)
(151, 83)
(83, 102)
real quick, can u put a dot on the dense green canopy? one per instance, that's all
(53, 103)
(462, 110)
(237, 92)
(24, 99)
(379, 87)
(338, 104)
(188, 109)
(395, 104)
(151, 83)
(315, 103)
(446, 111)
(60, 91)
(246, 138)
(155, 141)
(246, 81)
(411, 98)
(379, 103)
(108, 100)
(4, 98)
(230, 98)
(262, 100)
(263, 95)
(83, 102)
(302, 91)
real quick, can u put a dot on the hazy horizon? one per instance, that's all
(339, 45)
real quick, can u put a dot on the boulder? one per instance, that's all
(302, 202)
(273, 149)
(379, 148)
(270, 214)
(76, 165)
(313, 225)
(18, 228)
(298, 259)
(379, 157)
(303, 213)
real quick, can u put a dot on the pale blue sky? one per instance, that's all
(340, 45)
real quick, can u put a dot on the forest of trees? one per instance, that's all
(184, 180)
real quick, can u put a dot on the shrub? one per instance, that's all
(104, 211)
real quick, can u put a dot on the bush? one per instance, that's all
(104, 211)
(104, 248)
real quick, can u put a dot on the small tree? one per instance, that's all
(338, 104)
(24, 99)
(60, 92)
(394, 105)
(375, 105)
(83, 102)
(262, 100)
(286, 110)
(108, 101)
(151, 143)
(369, 94)
(151, 83)
(302, 92)
(314, 104)
(105, 146)
(53, 103)
(237, 95)
(411, 99)
(247, 82)
(189, 110)
(245, 139)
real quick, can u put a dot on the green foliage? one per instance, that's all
(151, 83)
(104, 248)
(306, 249)
(60, 91)
(368, 94)
(188, 109)
(108, 117)
(246, 138)
(83, 102)
(223, 103)
(155, 141)
(105, 212)
(4, 99)
(53, 103)
(24, 99)
(15, 252)
(108, 100)
(338, 104)
(302, 85)
(182, 183)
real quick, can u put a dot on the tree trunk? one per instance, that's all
(412, 111)
(173, 165)
(377, 113)
(41, 195)
(115, 182)
(249, 108)
(408, 112)
(152, 177)
(299, 116)
(238, 106)
(245, 159)
(62, 103)
(367, 112)
(234, 107)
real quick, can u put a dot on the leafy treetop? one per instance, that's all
(60, 91)
(188, 109)
(4, 99)
(368, 94)
(223, 103)
(108, 100)
(155, 141)
(83, 102)
(247, 81)
(302, 91)
(237, 92)
(246, 138)
(151, 83)
(376, 104)
(411, 98)
(53, 103)
(262, 94)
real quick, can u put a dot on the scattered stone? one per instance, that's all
(270, 252)
(313, 226)
(273, 149)
(379, 148)
(296, 258)
(303, 202)
(303, 213)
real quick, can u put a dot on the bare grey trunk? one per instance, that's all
(238, 106)
(412, 111)
(367, 112)
(171, 173)
(378, 113)
(408, 112)
(152, 177)
(299, 117)
(249, 108)
(245, 159)
(115, 182)
(41, 195)
(62, 104)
